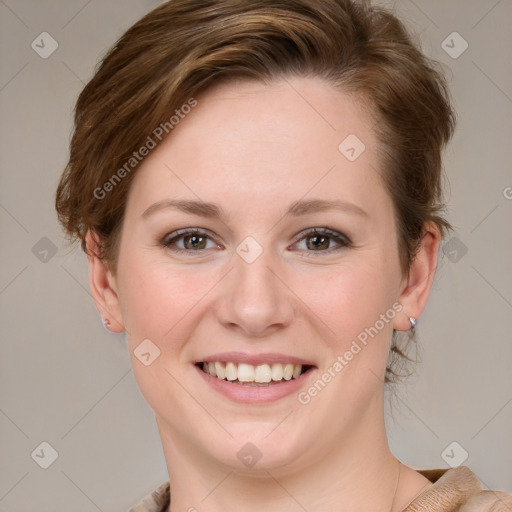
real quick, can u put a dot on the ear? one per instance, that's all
(416, 288)
(103, 285)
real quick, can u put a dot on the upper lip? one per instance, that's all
(254, 359)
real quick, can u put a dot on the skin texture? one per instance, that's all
(253, 149)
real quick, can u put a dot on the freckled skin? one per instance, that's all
(253, 149)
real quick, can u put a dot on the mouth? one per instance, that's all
(248, 375)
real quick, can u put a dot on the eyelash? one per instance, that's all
(342, 240)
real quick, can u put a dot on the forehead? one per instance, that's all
(248, 141)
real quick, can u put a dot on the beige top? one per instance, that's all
(453, 490)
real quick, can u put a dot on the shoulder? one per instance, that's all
(458, 490)
(157, 501)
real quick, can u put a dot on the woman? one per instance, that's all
(257, 186)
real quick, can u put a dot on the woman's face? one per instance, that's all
(253, 170)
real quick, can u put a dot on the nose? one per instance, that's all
(254, 298)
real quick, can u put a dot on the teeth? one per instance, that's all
(220, 370)
(263, 373)
(231, 371)
(288, 372)
(277, 372)
(245, 373)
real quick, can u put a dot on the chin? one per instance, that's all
(255, 449)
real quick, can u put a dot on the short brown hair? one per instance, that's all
(185, 46)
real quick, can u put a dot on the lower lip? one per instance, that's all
(254, 394)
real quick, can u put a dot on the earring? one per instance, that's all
(412, 322)
(106, 324)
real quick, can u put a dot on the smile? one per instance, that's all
(250, 375)
(255, 378)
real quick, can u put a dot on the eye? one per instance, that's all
(319, 240)
(189, 240)
(323, 240)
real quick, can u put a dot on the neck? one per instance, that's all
(358, 473)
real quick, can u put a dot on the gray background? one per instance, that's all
(64, 380)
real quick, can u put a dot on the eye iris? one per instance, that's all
(194, 242)
(320, 242)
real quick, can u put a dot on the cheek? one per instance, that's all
(159, 300)
(159, 303)
(347, 298)
(355, 303)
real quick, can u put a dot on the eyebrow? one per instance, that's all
(211, 210)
